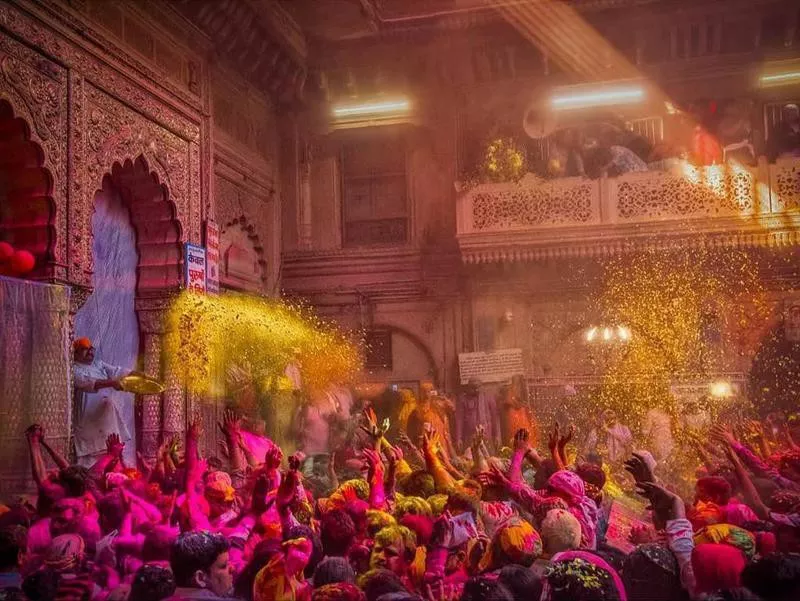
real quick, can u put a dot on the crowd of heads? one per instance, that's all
(406, 521)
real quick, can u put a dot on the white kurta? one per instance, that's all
(99, 415)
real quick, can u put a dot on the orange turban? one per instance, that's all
(81, 343)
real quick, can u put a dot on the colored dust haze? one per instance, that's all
(238, 346)
(691, 315)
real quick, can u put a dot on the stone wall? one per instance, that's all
(114, 89)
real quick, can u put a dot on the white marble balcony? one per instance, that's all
(677, 206)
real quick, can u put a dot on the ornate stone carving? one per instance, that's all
(239, 207)
(116, 133)
(151, 404)
(704, 192)
(504, 206)
(132, 88)
(36, 88)
(785, 186)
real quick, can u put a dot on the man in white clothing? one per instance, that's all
(95, 420)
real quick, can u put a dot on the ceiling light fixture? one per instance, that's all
(778, 79)
(601, 97)
(390, 107)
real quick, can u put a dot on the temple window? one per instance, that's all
(374, 190)
(378, 349)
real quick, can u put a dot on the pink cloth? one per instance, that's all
(738, 513)
(570, 485)
(717, 567)
(592, 559)
(257, 445)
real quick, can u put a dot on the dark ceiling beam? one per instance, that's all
(258, 39)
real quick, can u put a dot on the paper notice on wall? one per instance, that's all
(494, 366)
(624, 517)
(195, 269)
(212, 257)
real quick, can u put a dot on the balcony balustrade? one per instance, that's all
(679, 205)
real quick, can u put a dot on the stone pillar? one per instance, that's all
(78, 297)
(148, 410)
(304, 208)
(163, 415)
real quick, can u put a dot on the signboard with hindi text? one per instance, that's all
(212, 257)
(195, 268)
(493, 366)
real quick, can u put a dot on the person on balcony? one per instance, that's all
(784, 139)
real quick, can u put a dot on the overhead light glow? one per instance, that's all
(390, 107)
(781, 78)
(591, 334)
(721, 390)
(606, 97)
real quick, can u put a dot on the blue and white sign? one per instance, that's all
(195, 268)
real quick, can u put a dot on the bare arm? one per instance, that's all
(106, 463)
(231, 429)
(521, 448)
(57, 457)
(749, 490)
(33, 436)
(430, 448)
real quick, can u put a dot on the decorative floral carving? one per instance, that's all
(239, 207)
(704, 192)
(134, 89)
(785, 186)
(507, 206)
(36, 88)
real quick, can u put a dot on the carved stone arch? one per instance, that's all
(418, 343)
(229, 275)
(154, 218)
(28, 210)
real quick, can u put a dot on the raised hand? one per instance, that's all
(563, 441)
(372, 460)
(756, 429)
(555, 437)
(521, 440)
(194, 431)
(431, 443)
(287, 489)
(273, 457)
(722, 434)
(480, 435)
(114, 446)
(494, 477)
(231, 424)
(639, 469)
(372, 428)
(665, 504)
(35, 433)
(296, 460)
(394, 454)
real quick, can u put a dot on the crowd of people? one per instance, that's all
(706, 133)
(405, 516)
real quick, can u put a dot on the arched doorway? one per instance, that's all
(242, 264)
(34, 319)
(136, 255)
(27, 209)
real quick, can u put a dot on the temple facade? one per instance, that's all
(189, 112)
